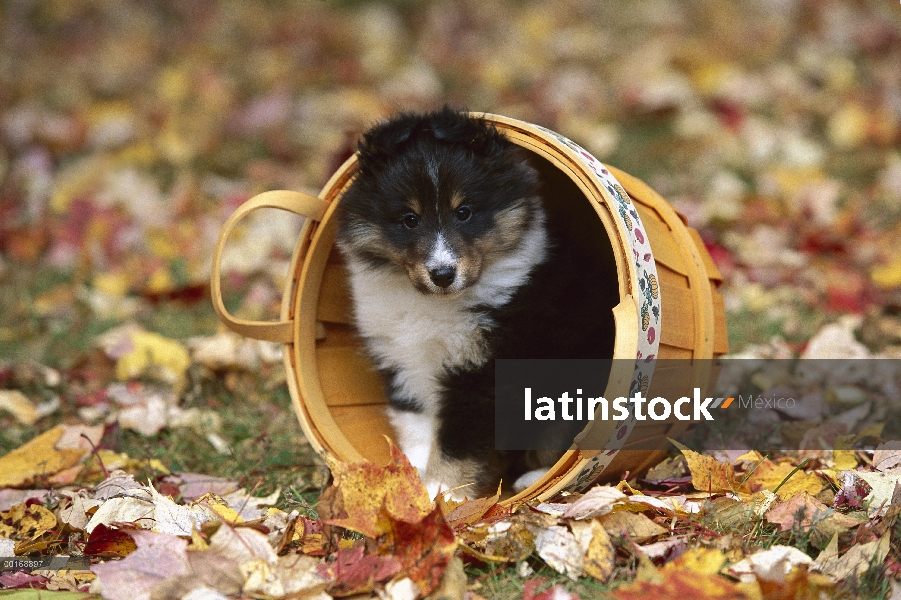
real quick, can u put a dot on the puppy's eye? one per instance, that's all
(411, 221)
(463, 213)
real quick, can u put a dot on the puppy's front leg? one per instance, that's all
(415, 435)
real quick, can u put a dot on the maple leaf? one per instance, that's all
(352, 572)
(424, 549)
(366, 497)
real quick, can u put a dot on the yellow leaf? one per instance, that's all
(26, 522)
(37, 458)
(705, 561)
(769, 475)
(845, 460)
(887, 276)
(707, 473)
(19, 406)
(751, 456)
(154, 353)
(114, 284)
(597, 549)
(365, 492)
(599, 560)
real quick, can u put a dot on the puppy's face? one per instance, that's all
(440, 196)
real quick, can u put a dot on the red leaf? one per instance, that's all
(424, 549)
(108, 542)
(353, 573)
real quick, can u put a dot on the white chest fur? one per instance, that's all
(416, 335)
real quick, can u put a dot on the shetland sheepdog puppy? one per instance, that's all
(454, 262)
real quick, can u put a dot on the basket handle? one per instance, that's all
(299, 203)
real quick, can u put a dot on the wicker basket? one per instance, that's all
(669, 308)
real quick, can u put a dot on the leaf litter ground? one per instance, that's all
(138, 434)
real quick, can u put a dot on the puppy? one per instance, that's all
(454, 262)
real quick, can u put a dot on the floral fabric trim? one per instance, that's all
(645, 289)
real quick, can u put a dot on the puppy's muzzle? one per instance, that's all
(443, 276)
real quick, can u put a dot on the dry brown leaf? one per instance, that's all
(855, 561)
(882, 487)
(887, 456)
(633, 526)
(803, 506)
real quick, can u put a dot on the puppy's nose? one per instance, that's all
(443, 276)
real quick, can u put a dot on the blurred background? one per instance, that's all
(129, 131)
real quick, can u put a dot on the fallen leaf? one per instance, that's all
(707, 473)
(158, 557)
(770, 475)
(470, 511)
(890, 517)
(633, 526)
(801, 510)
(882, 486)
(370, 496)
(19, 406)
(242, 545)
(665, 547)
(557, 546)
(887, 455)
(150, 354)
(75, 513)
(26, 522)
(356, 573)
(856, 561)
(37, 458)
(108, 542)
(423, 549)
(599, 500)
(125, 509)
(453, 581)
(773, 564)
(706, 561)
(680, 585)
(194, 485)
(598, 554)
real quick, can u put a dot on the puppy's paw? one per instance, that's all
(459, 479)
(527, 479)
(440, 488)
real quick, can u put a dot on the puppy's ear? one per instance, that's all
(455, 127)
(384, 140)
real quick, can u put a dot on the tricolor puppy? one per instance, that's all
(452, 264)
